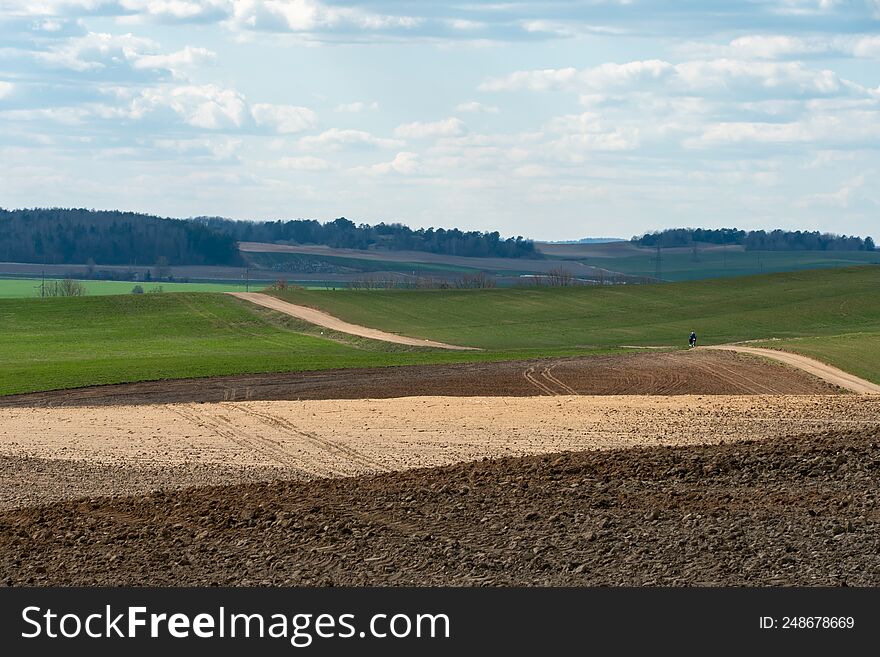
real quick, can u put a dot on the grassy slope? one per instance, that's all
(797, 304)
(59, 343)
(64, 343)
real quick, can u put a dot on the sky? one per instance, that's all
(552, 120)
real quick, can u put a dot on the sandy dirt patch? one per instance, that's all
(327, 320)
(337, 438)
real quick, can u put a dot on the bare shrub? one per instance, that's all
(559, 278)
(479, 280)
(64, 288)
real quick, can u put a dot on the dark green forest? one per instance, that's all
(71, 236)
(76, 236)
(756, 240)
(345, 234)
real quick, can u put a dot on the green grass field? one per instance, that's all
(51, 344)
(24, 288)
(796, 304)
(61, 343)
(681, 266)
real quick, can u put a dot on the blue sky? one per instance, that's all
(551, 120)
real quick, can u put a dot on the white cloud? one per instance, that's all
(336, 138)
(404, 163)
(581, 133)
(176, 61)
(310, 16)
(117, 56)
(540, 80)
(356, 107)
(451, 127)
(717, 76)
(476, 107)
(304, 163)
(6, 88)
(284, 119)
(841, 198)
(208, 106)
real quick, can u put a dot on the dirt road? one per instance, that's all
(815, 367)
(674, 373)
(326, 320)
(793, 511)
(128, 449)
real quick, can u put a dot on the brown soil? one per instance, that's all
(792, 511)
(209, 443)
(824, 371)
(675, 373)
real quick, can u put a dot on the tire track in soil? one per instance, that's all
(528, 373)
(325, 444)
(546, 374)
(753, 384)
(732, 380)
(222, 427)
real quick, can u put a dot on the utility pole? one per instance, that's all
(43, 285)
(659, 272)
(247, 284)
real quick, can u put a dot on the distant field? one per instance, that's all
(293, 263)
(62, 343)
(797, 304)
(857, 353)
(710, 262)
(23, 288)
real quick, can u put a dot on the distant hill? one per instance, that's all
(756, 240)
(589, 240)
(77, 236)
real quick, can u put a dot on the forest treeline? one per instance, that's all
(76, 236)
(343, 233)
(756, 240)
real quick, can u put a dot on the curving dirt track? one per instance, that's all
(787, 511)
(133, 447)
(327, 320)
(824, 371)
(673, 373)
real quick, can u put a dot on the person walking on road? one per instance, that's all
(693, 339)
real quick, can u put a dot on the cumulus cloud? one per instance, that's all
(784, 46)
(6, 88)
(284, 119)
(842, 198)
(304, 163)
(188, 57)
(357, 106)
(404, 163)
(310, 16)
(451, 127)
(209, 107)
(113, 56)
(743, 78)
(476, 107)
(336, 138)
